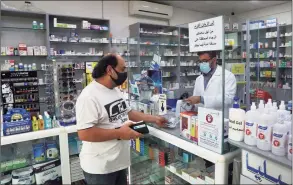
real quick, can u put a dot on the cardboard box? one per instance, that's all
(186, 173)
(22, 49)
(194, 129)
(185, 123)
(264, 171)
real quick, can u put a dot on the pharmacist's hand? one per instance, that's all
(126, 133)
(192, 100)
(161, 121)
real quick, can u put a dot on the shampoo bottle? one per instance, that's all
(47, 120)
(251, 125)
(279, 138)
(264, 131)
(236, 122)
(35, 124)
(41, 122)
(282, 112)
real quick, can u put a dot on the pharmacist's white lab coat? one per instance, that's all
(212, 95)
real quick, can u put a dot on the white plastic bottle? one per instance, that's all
(236, 122)
(289, 148)
(261, 106)
(282, 112)
(251, 125)
(264, 131)
(279, 141)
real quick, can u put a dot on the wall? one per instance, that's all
(116, 11)
(282, 12)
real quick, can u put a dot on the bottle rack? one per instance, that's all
(20, 90)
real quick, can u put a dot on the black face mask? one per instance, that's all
(121, 77)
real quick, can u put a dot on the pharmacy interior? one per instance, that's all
(240, 132)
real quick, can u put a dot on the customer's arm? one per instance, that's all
(139, 116)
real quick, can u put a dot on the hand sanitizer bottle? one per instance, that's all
(236, 122)
(264, 131)
(282, 112)
(279, 138)
(261, 106)
(251, 125)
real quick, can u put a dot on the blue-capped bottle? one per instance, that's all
(236, 122)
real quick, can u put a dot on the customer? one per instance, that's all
(103, 120)
(208, 88)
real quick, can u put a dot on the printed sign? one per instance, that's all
(210, 129)
(264, 171)
(206, 35)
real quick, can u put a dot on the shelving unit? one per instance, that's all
(16, 28)
(270, 59)
(163, 41)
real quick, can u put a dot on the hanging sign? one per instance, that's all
(210, 129)
(206, 35)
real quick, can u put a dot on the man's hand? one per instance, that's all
(161, 121)
(193, 100)
(126, 133)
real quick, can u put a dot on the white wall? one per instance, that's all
(282, 12)
(115, 11)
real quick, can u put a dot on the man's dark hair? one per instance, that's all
(100, 69)
(212, 54)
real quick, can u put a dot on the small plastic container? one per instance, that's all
(35, 25)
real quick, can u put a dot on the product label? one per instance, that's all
(236, 125)
(279, 141)
(250, 130)
(264, 134)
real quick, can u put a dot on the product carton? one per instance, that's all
(3, 50)
(185, 123)
(186, 173)
(37, 51)
(263, 170)
(43, 50)
(22, 49)
(30, 51)
(193, 177)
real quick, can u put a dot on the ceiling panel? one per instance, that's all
(222, 7)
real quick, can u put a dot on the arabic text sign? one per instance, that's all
(210, 129)
(263, 170)
(206, 35)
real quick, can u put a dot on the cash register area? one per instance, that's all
(49, 50)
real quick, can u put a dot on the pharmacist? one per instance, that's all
(103, 124)
(208, 86)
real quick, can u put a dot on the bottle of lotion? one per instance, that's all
(41, 122)
(35, 124)
(264, 131)
(251, 125)
(236, 122)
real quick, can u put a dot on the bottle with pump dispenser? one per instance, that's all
(264, 130)
(280, 133)
(251, 125)
(236, 122)
(41, 123)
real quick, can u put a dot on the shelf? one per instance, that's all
(61, 42)
(23, 55)
(23, 28)
(173, 135)
(267, 154)
(29, 136)
(177, 174)
(79, 29)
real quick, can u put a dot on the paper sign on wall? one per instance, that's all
(206, 35)
(210, 129)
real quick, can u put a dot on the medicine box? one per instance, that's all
(22, 49)
(185, 123)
